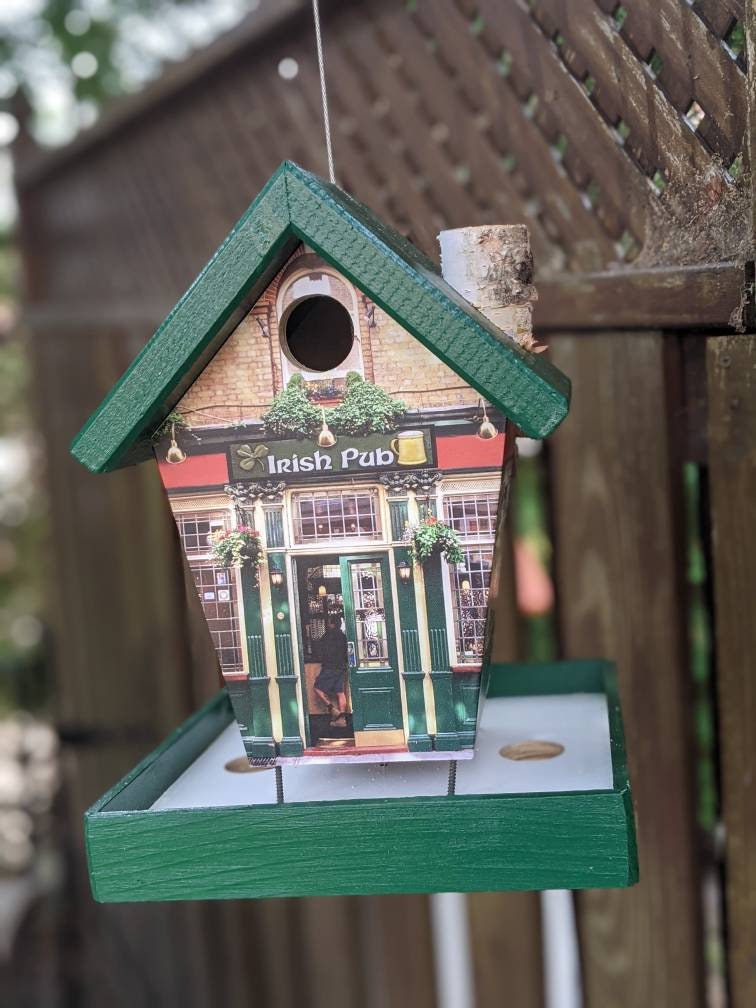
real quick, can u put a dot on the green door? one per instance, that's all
(371, 636)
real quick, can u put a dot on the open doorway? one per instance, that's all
(325, 686)
(345, 609)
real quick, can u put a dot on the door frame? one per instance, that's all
(384, 557)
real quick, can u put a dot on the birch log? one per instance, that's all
(492, 268)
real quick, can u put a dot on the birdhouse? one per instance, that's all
(334, 427)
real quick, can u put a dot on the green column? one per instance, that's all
(241, 703)
(466, 691)
(418, 740)
(291, 743)
(441, 675)
(398, 513)
(260, 733)
(274, 530)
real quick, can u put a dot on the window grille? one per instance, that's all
(323, 516)
(216, 586)
(469, 585)
(472, 515)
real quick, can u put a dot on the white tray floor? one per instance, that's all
(578, 721)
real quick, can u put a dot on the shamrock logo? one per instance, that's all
(252, 457)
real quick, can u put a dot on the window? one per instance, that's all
(472, 516)
(369, 613)
(216, 586)
(195, 530)
(469, 585)
(338, 514)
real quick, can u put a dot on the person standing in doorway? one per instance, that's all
(330, 684)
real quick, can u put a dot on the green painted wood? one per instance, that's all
(148, 780)
(530, 841)
(119, 432)
(291, 744)
(536, 679)
(405, 283)
(413, 674)
(284, 654)
(447, 737)
(240, 696)
(251, 697)
(259, 744)
(295, 205)
(398, 515)
(256, 652)
(465, 696)
(418, 739)
(274, 530)
(250, 592)
(413, 664)
(376, 703)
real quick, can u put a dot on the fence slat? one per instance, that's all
(731, 369)
(615, 479)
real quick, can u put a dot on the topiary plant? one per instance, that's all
(291, 412)
(365, 409)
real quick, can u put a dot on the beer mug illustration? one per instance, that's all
(409, 448)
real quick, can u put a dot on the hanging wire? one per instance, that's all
(323, 94)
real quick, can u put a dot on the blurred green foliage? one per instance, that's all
(91, 50)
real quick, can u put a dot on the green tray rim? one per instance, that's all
(577, 839)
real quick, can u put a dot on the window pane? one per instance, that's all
(469, 582)
(341, 514)
(369, 613)
(472, 515)
(216, 586)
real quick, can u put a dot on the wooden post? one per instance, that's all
(731, 370)
(492, 268)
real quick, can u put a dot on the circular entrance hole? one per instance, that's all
(318, 333)
(240, 764)
(531, 750)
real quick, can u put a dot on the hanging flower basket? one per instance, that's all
(433, 536)
(239, 547)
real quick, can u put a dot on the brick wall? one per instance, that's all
(242, 378)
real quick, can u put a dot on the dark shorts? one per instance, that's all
(331, 680)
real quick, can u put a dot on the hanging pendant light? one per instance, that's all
(174, 455)
(487, 430)
(326, 438)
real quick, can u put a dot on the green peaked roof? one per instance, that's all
(296, 206)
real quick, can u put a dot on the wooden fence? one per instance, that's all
(619, 132)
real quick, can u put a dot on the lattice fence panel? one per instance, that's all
(613, 130)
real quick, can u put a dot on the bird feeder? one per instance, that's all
(334, 426)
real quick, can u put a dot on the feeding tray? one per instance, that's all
(182, 826)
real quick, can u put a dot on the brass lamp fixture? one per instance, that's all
(174, 455)
(276, 576)
(326, 437)
(487, 430)
(405, 571)
(322, 591)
